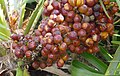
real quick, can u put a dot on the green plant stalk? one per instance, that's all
(113, 65)
(37, 17)
(95, 62)
(116, 42)
(104, 52)
(101, 2)
(22, 16)
(32, 18)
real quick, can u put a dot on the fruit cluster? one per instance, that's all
(69, 25)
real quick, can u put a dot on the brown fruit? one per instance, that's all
(67, 40)
(60, 63)
(104, 35)
(63, 47)
(83, 9)
(90, 3)
(89, 42)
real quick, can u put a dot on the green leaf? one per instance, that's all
(80, 69)
(104, 52)
(117, 71)
(79, 64)
(3, 36)
(118, 2)
(116, 42)
(4, 30)
(22, 16)
(37, 17)
(33, 16)
(19, 71)
(113, 65)
(95, 62)
(26, 73)
(101, 2)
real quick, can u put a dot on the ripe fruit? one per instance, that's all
(57, 39)
(72, 35)
(28, 54)
(35, 64)
(32, 45)
(90, 3)
(76, 26)
(60, 63)
(83, 9)
(81, 33)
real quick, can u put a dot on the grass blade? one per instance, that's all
(116, 42)
(32, 18)
(78, 64)
(22, 15)
(113, 65)
(95, 61)
(104, 52)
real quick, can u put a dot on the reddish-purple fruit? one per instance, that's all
(24, 48)
(28, 54)
(64, 12)
(19, 53)
(77, 18)
(72, 35)
(56, 5)
(78, 50)
(71, 14)
(71, 48)
(37, 33)
(76, 42)
(77, 26)
(43, 65)
(82, 33)
(90, 3)
(57, 39)
(15, 37)
(35, 64)
(32, 45)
